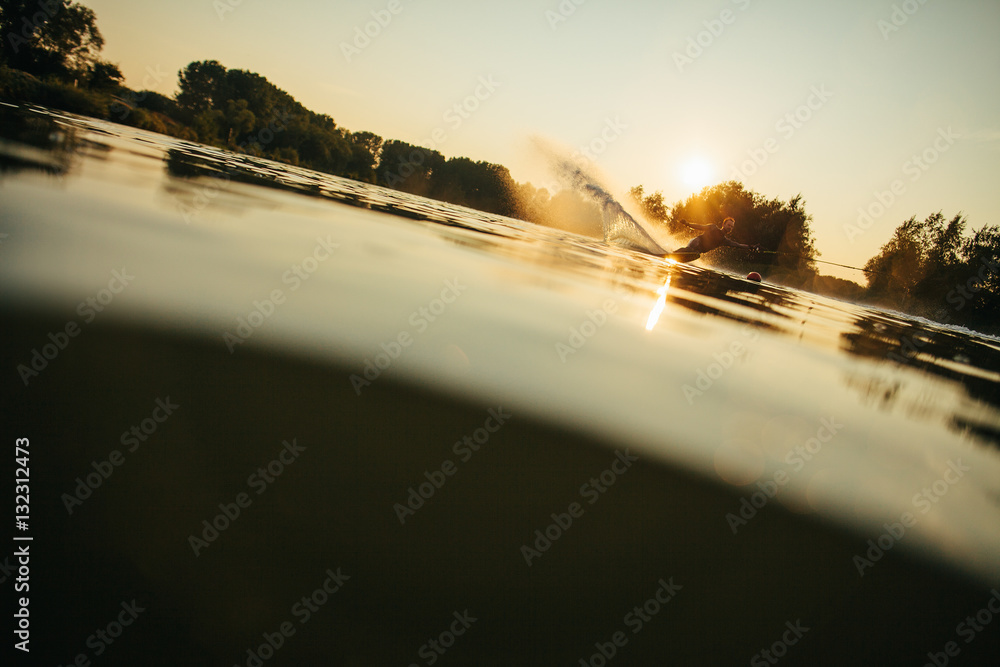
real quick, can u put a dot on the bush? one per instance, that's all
(18, 86)
(21, 87)
(58, 95)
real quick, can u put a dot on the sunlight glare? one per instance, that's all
(654, 315)
(697, 173)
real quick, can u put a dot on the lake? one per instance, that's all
(296, 419)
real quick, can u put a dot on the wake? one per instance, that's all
(620, 228)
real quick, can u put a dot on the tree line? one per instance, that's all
(50, 55)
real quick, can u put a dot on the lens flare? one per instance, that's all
(697, 173)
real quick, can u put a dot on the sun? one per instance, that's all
(696, 173)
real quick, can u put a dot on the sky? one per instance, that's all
(874, 111)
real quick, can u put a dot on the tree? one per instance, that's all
(105, 76)
(931, 268)
(370, 141)
(208, 125)
(914, 268)
(653, 207)
(899, 265)
(779, 227)
(237, 119)
(73, 34)
(50, 37)
(154, 101)
(481, 185)
(366, 147)
(978, 304)
(407, 167)
(200, 86)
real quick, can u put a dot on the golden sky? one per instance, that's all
(890, 108)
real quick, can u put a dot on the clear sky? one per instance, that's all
(830, 99)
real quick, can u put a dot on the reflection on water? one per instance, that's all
(53, 142)
(965, 361)
(34, 141)
(661, 374)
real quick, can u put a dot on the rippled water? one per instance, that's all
(849, 414)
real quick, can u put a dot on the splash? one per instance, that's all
(620, 228)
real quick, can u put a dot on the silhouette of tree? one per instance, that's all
(916, 264)
(931, 268)
(653, 207)
(52, 38)
(208, 125)
(407, 167)
(200, 86)
(370, 141)
(366, 148)
(481, 185)
(237, 119)
(105, 77)
(976, 300)
(149, 99)
(777, 226)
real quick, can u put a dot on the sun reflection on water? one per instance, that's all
(654, 315)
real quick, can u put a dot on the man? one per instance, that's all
(713, 237)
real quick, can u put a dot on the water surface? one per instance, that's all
(247, 279)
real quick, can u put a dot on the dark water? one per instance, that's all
(200, 333)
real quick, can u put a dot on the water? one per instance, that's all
(378, 329)
(620, 228)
